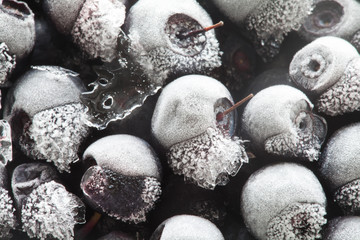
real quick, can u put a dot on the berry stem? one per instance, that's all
(195, 32)
(221, 115)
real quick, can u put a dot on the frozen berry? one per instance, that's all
(46, 115)
(284, 201)
(188, 121)
(125, 183)
(279, 120)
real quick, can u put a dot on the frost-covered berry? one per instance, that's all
(47, 209)
(47, 116)
(187, 227)
(343, 228)
(125, 183)
(160, 39)
(320, 64)
(279, 120)
(337, 18)
(7, 216)
(17, 27)
(199, 144)
(7, 64)
(284, 201)
(94, 25)
(340, 167)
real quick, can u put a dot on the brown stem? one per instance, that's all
(195, 32)
(221, 115)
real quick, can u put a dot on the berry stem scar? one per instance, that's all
(221, 115)
(195, 32)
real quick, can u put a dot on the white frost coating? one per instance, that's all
(152, 47)
(188, 227)
(343, 96)
(63, 13)
(185, 109)
(56, 134)
(320, 64)
(44, 87)
(51, 212)
(343, 228)
(5, 143)
(17, 32)
(348, 22)
(273, 111)
(7, 63)
(348, 197)
(274, 188)
(7, 216)
(125, 154)
(98, 26)
(340, 159)
(237, 10)
(208, 159)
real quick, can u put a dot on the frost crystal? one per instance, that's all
(298, 221)
(355, 40)
(55, 135)
(272, 20)
(126, 198)
(7, 217)
(344, 96)
(7, 63)
(303, 144)
(98, 26)
(208, 159)
(5, 142)
(51, 212)
(348, 197)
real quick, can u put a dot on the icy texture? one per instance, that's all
(125, 154)
(28, 176)
(355, 40)
(121, 87)
(338, 18)
(321, 63)
(187, 227)
(56, 134)
(343, 228)
(44, 87)
(279, 120)
(17, 27)
(272, 20)
(51, 212)
(208, 159)
(5, 142)
(273, 189)
(97, 28)
(340, 159)
(343, 96)
(7, 216)
(63, 13)
(125, 198)
(348, 197)
(7, 63)
(186, 109)
(298, 221)
(237, 10)
(161, 52)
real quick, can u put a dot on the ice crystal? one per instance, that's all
(208, 159)
(7, 63)
(126, 198)
(55, 135)
(51, 212)
(98, 26)
(303, 144)
(272, 20)
(298, 221)
(7, 216)
(5, 142)
(344, 96)
(348, 197)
